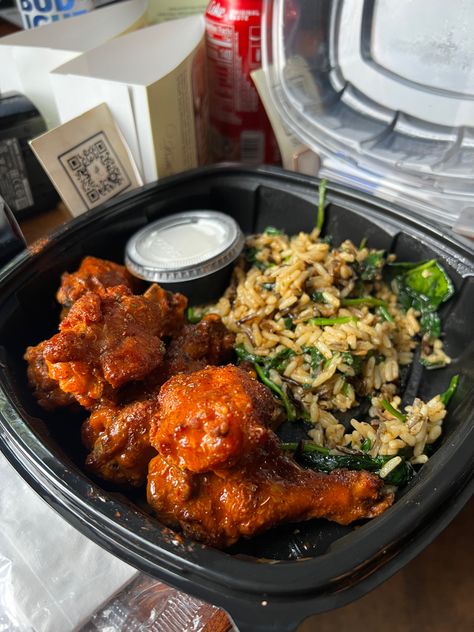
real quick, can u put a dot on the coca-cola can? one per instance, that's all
(239, 127)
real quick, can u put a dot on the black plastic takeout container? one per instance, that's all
(274, 581)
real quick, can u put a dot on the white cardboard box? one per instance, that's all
(27, 57)
(153, 81)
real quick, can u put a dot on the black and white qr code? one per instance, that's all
(95, 170)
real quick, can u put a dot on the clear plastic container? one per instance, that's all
(382, 92)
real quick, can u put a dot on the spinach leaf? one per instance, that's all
(370, 268)
(393, 411)
(316, 358)
(366, 445)
(371, 301)
(318, 458)
(289, 408)
(430, 323)
(268, 286)
(428, 283)
(251, 257)
(353, 361)
(262, 366)
(432, 365)
(424, 287)
(280, 361)
(318, 297)
(403, 265)
(327, 239)
(340, 320)
(383, 311)
(245, 355)
(347, 389)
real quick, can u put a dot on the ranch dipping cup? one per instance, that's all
(40, 12)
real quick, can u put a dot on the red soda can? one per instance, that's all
(239, 127)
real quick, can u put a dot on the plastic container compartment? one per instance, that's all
(382, 92)
(274, 581)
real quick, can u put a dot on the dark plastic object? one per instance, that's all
(204, 290)
(11, 238)
(20, 122)
(258, 582)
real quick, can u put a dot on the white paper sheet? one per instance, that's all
(52, 578)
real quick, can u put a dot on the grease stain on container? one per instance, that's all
(190, 252)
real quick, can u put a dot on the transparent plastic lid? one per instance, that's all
(382, 92)
(184, 246)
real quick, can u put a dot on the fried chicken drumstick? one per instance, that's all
(220, 473)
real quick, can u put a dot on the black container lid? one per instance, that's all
(184, 246)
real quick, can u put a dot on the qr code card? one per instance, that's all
(88, 160)
(95, 170)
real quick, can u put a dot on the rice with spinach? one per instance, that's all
(324, 330)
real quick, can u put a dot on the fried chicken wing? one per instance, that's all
(207, 342)
(172, 306)
(119, 442)
(105, 342)
(211, 418)
(93, 275)
(46, 390)
(220, 473)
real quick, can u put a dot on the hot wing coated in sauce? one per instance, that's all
(220, 473)
(46, 390)
(207, 342)
(98, 347)
(210, 419)
(105, 342)
(172, 306)
(93, 275)
(119, 443)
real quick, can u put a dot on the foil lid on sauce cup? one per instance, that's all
(190, 252)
